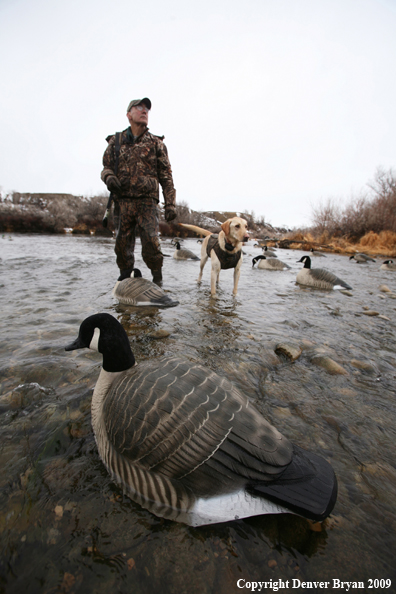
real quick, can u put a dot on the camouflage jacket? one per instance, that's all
(143, 165)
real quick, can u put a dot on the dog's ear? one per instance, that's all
(226, 227)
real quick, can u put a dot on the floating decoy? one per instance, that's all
(362, 258)
(269, 263)
(140, 292)
(319, 278)
(185, 444)
(184, 253)
(388, 265)
(269, 253)
(317, 254)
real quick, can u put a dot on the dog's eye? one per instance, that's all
(237, 226)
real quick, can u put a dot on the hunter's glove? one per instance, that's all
(113, 184)
(170, 213)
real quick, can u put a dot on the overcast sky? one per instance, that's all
(266, 105)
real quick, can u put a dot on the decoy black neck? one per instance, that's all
(257, 258)
(117, 359)
(116, 349)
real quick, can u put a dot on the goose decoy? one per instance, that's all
(269, 263)
(185, 444)
(362, 258)
(183, 253)
(140, 292)
(317, 254)
(268, 252)
(388, 265)
(318, 278)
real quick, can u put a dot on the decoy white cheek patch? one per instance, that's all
(94, 344)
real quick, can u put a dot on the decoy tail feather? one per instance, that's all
(308, 486)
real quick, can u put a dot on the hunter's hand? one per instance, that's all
(170, 213)
(113, 184)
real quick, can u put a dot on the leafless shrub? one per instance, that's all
(326, 217)
(374, 211)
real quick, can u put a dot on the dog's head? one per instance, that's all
(235, 229)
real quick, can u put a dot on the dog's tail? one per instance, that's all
(198, 230)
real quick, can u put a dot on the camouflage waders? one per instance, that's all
(137, 214)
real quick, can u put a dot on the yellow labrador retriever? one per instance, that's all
(224, 250)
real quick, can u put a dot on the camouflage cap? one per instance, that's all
(135, 102)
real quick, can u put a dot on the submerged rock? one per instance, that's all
(160, 333)
(363, 365)
(289, 350)
(328, 365)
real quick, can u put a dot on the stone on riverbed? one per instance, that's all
(328, 365)
(363, 365)
(289, 350)
(160, 333)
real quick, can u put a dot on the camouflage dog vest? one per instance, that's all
(226, 259)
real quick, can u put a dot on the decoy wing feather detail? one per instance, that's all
(175, 434)
(322, 276)
(135, 291)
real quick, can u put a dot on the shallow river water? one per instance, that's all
(66, 527)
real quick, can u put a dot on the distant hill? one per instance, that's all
(57, 213)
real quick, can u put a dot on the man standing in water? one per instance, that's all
(143, 164)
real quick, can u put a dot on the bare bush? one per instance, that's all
(326, 217)
(374, 211)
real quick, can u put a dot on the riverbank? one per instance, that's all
(64, 213)
(381, 244)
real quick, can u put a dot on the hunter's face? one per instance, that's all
(138, 115)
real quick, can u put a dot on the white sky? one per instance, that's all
(266, 105)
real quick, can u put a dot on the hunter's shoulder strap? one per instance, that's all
(117, 148)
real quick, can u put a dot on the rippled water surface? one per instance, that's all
(65, 527)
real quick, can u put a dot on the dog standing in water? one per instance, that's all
(224, 250)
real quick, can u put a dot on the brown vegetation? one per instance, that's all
(366, 224)
(50, 213)
(374, 211)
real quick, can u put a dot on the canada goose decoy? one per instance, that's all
(317, 254)
(269, 253)
(269, 263)
(388, 265)
(362, 258)
(318, 278)
(183, 253)
(185, 444)
(140, 292)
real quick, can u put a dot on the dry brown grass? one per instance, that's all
(373, 244)
(379, 243)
